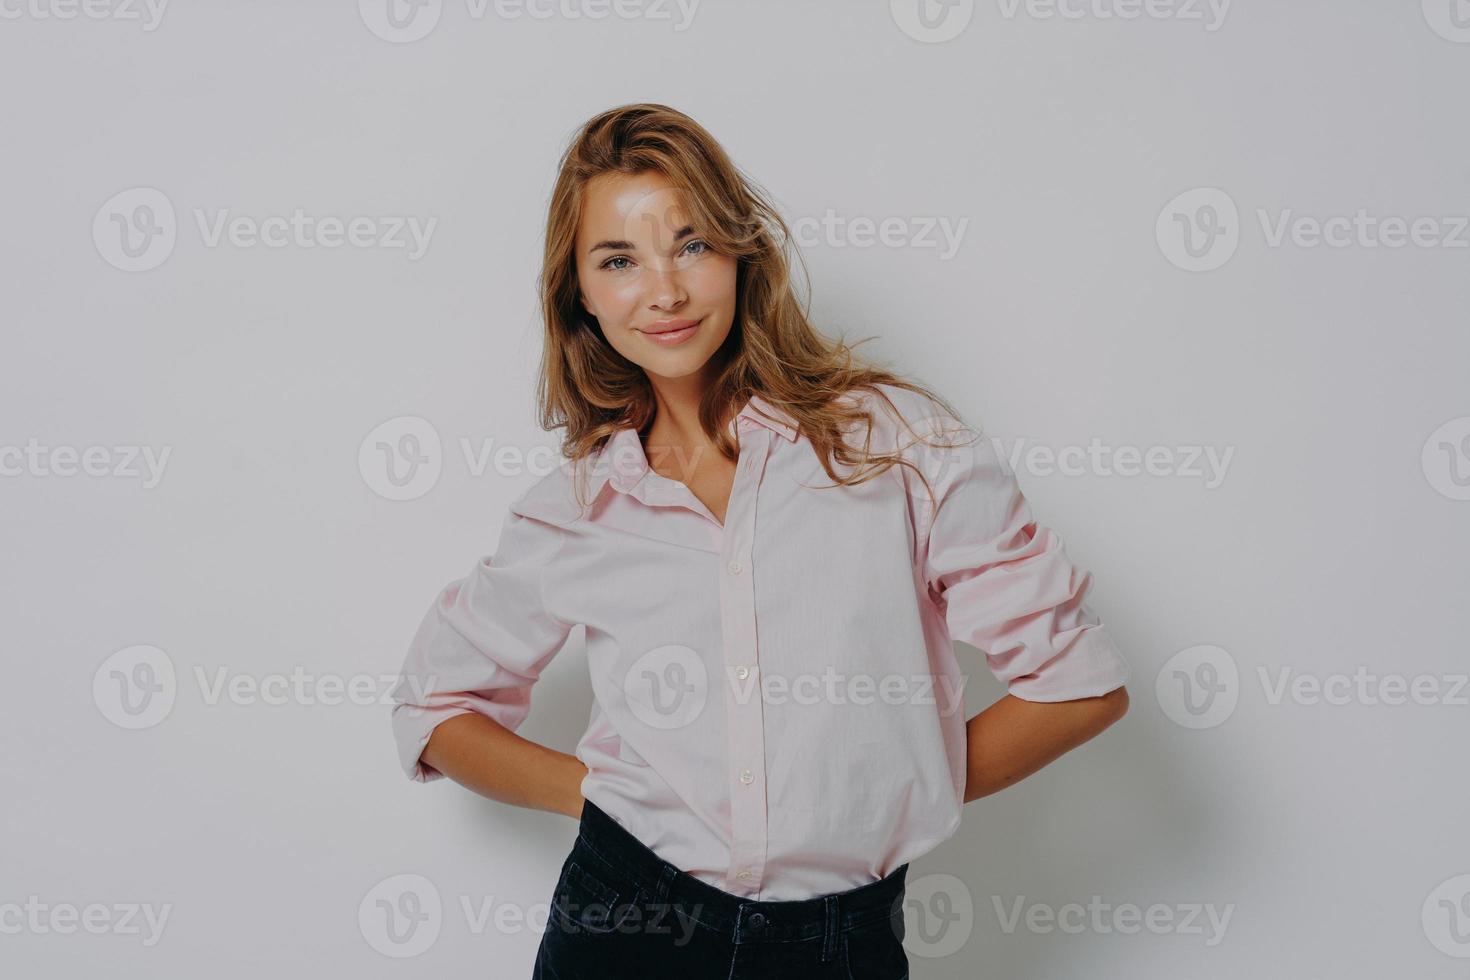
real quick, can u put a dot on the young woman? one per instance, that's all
(771, 546)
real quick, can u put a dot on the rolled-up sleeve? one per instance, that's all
(482, 644)
(1004, 582)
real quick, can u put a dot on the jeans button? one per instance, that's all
(757, 920)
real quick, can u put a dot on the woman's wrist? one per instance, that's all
(572, 804)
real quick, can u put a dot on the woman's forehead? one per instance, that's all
(619, 203)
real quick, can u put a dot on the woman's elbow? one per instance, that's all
(1113, 705)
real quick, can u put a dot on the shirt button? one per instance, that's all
(745, 875)
(734, 567)
(742, 672)
(746, 777)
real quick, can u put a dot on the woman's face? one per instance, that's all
(663, 298)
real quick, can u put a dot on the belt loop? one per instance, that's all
(829, 935)
(665, 877)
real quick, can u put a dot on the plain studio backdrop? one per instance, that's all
(269, 334)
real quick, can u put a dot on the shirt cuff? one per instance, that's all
(1090, 665)
(412, 726)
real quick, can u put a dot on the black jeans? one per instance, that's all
(619, 910)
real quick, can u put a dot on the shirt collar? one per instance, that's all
(778, 420)
(622, 462)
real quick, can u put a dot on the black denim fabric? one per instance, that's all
(620, 911)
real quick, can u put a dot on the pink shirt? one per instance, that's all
(779, 708)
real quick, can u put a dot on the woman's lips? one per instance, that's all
(670, 338)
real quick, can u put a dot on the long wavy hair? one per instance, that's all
(591, 391)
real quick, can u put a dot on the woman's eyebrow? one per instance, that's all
(622, 246)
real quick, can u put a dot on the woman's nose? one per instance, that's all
(665, 286)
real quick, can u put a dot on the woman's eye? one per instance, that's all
(608, 264)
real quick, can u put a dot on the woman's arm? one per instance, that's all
(466, 682)
(485, 756)
(1013, 738)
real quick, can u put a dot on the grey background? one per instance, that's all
(1336, 540)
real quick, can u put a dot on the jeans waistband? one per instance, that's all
(742, 920)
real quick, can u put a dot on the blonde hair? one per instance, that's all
(587, 388)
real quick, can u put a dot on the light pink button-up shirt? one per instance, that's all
(779, 708)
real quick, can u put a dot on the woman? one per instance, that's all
(771, 547)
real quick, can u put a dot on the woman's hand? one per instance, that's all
(485, 756)
(1013, 738)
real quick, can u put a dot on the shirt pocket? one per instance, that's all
(627, 754)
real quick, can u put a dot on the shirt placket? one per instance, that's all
(743, 701)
